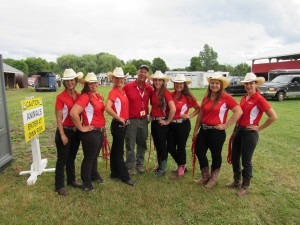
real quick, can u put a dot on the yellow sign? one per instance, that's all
(33, 117)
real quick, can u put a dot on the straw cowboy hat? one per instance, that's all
(159, 75)
(89, 78)
(250, 77)
(224, 80)
(69, 74)
(180, 78)
(118, 72)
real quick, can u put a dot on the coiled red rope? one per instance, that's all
(105, 149)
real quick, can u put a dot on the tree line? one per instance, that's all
(104, 62)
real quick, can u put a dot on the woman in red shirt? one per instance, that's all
(161, 99)
(118, 107)
(91, 106)
(66, 136)
(180, 126)
(212, 135)
(246, 133)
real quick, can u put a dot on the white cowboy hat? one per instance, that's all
(224, 80)
(90, 77)
(159, 75)
(180, 78)
(250, 77)
(69, 74)
(118, 72)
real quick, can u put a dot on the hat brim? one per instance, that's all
(181, 81)
(79, 75)
(166, 79)
(110, 75)
(224, 80)
(259, 81)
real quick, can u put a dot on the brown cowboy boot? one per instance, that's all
(236, 183)
(205, 176)
(245, 188)
(213, 179)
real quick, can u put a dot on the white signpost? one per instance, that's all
(34, 124)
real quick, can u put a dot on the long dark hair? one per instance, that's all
(86, 90)
(186, 92)
(161, 99)
(208, 95)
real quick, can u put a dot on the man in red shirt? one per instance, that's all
(138, 93)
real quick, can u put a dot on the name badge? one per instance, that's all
(142, 113)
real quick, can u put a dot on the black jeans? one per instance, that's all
(213, 140)
(117, 164)
(91, 144)
(160, 134)
(243, 146)
(66, 155)
(178, 134)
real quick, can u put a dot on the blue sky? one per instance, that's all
(174, 30)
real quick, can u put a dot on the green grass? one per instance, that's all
(274, 197)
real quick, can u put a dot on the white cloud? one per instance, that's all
(173, 30)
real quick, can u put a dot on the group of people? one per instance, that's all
(80, 117)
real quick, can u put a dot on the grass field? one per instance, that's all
(274, 197)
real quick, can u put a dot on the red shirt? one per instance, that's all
(93, 113)
(183, 105)
(138, 99)
(120, 103)
(217, 114)
(156, 111)
(253, 109)
(65, 103)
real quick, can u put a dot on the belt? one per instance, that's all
(102, 129)
(127, 122)
(153, 118)
(178, 121)
(70, 128)
(207, 127)
(241, 128)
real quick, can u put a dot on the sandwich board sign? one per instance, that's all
(34, 124)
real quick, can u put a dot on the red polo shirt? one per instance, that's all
(65, 103)
(138, 99)
(217, 114)
(120, 103)
(253, 109)
(156, 111)
(93, 113)
(183, 105)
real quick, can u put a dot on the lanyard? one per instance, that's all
(142, 96)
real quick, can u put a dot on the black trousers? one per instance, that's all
(92, 142)
(213, 140)
(66, 155)
(117, 164)
(243, 146)
(178, 134)
(159, 135)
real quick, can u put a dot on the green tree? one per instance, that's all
(130, 68)
(18, 64)
(37, 65)
(67, 61)
(241, 69)
(87, 63)
(229, 68)
(208, 58)
(138, 62)
(107, 62)
(159, 64)
(195, 64)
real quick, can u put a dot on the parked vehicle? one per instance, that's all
(235, 87)
(46, 81)
(281, 87)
